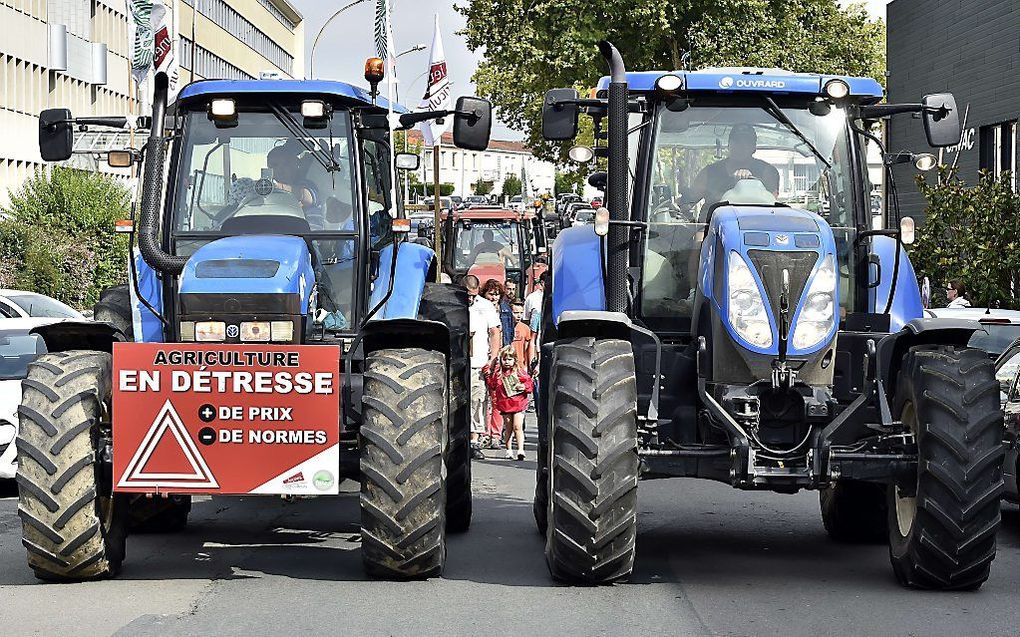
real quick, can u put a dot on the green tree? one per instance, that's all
(571, 180)
(533, 46)
(59, 236)
(511, 186)
(971, 234)
(482, 187)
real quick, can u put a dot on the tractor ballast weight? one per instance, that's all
(275, 330)
(740, 321)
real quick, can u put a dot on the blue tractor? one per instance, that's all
(267, 232)
(741, 319)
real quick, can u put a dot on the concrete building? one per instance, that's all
(74, 54)
(463, 168)
(966, 47)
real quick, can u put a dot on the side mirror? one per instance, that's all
(559, 121)
(56, 136)
(472, 124)
(407, 161)
(599, 180)
(941, 120)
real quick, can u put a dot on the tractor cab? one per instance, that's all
(494, 244)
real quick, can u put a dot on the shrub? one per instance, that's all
(59, 239)
(973, 234)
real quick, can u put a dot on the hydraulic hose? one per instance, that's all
(152, 189)
(617, 280)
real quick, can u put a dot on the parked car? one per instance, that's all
(567, 216)
(18, 348)
(1011, 417)
(446, 203)
(563, 199)
(583, 217)
(476, 200)
(1002, 327)
(22, 304)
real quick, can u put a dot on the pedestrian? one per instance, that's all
(509, 384)
(523, 341)
(484, 326)
(956, 292)
(533, 316)
(496, 293)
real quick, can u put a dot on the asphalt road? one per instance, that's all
(711, 561)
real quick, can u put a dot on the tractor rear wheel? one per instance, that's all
(447, 303)
(942, 525)
(403, 534)
(593, 472)
(73, 525)
(854, 511)
(114, 307)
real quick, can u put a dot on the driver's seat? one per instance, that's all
(265, 224)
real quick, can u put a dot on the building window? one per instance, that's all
(234, 23)
(998, 149)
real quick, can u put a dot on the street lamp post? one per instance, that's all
(311, 56)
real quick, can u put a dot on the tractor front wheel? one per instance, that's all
(942, 525)
(403, 433)
(73, 525)
(593, 462)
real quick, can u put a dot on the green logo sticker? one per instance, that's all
(323, 480)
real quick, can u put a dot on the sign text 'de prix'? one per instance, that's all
(192, 418)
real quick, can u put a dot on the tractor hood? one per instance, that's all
(750, 249)
(244, 268)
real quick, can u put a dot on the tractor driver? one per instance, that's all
(715, 179)
(490, 245)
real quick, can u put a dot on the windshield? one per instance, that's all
(17, 350)
(484, 242)
(43, 306)
(995, 338)
(259, 176)
(741, 153)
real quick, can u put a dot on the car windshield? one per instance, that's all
(736, 150)
(43, 306)
(585, 215)
(482, 242)
(17, 350)
(259, 175)
(996, 337)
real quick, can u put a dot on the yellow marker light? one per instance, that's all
(255, 332)
(210, 331)
(401, 225)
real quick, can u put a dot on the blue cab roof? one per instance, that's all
(312, 88)
(744, 80)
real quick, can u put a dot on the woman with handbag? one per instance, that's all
(509, 385)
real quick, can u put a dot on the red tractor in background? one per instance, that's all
(495, 243)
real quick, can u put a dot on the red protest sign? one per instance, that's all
(226, 419)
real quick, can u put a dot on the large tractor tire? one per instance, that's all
(403, 503)
(592, 524)
(854, 511)
(942, 527)
(114, 307)
(447, 303)
(73, 526)
(147, 515)
(540, 507)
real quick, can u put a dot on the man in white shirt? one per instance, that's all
(485, 326)
(533, 301)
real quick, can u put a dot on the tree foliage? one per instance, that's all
(971, 234)
(482, 187)
(532, 46)
(59, 236)
(511, 186)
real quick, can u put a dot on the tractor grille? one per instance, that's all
(770, 265)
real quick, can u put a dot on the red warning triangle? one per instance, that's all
(168, 457)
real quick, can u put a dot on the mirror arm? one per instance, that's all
(112, 122)
(882, 111)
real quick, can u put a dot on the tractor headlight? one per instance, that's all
(746, 308)
(282, 331)
(819, 310)
(210, 331)
(255, 331)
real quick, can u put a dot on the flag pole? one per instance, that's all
(437, 204)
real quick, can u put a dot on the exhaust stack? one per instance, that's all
(617, 280)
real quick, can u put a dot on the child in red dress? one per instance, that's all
(509, 385)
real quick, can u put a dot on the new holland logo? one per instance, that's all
(782, 239)
(726, 82)
(192, 473)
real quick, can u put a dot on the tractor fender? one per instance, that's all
(906, 303)
(891, 349)
(414, 264)
(68, 335)
(594, 323)
(578, 282)
(407, 332)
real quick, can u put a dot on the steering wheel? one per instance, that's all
(265, 191)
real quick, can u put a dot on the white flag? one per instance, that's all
(437, 93)
(140, 39)
(166, 35)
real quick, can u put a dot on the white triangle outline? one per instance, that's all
(135, 476)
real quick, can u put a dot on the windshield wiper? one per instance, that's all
(773, 109)
(325, 159)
